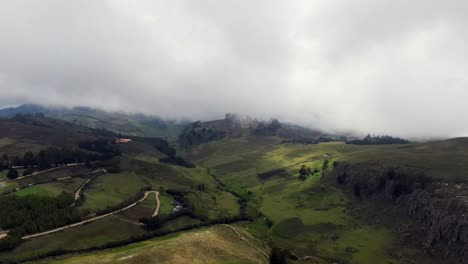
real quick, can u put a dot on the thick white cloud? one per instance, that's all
(388, 66)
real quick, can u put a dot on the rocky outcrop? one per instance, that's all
(235, 126)
(439, 210)
(442, 212)
(196, 134)
(267, 128)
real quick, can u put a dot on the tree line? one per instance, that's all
(102, 149)
(33, 213)
(307, 141)
(378, 140)
(106, 147)
(46, 158)
(176, 160)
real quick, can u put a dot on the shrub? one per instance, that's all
(12, 174)
(278, 256)
(325, 164)
(28, 172)
(10, 242)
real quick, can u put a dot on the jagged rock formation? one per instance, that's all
(267, 128)
(202, 132)
(440, 210)
(196, 134)
(236, 126)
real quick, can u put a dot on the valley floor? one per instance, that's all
(313, 219)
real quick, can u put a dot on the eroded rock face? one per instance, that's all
(440, 210)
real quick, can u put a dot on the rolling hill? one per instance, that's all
(120, 123)
(326, 202)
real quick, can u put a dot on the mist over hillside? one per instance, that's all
(118, 122)
(333, 65)
(216, 131)
(139, 124)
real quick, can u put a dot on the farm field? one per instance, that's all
(109, 190)
(53, 188)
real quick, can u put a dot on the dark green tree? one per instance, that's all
(325, 164)
(12, 174)
(16, 161)
(152, 222)
(303, 173)
(28, 159)
(278, 256)
(9, 242)
(28, 171)
(115, 167)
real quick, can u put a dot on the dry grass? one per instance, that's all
(208, 245)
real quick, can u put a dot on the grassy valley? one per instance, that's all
(313, 202)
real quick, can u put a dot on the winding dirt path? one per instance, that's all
(158, 204)
(98, 217)
(247, 241)
(78, 192)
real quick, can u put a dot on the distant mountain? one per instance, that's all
(118, 122)
(25, 132)
(23, 109)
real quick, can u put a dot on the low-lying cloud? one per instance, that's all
(389, 66)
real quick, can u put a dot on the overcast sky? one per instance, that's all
(386, 66)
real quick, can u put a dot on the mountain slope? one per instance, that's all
(120, 123)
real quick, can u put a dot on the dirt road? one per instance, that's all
(39, 172)
(158, 204)
(248, 242)
(77, 193)
(98, 217)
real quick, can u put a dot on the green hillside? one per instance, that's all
(316, 216)
(313, 202)
(208, 245)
